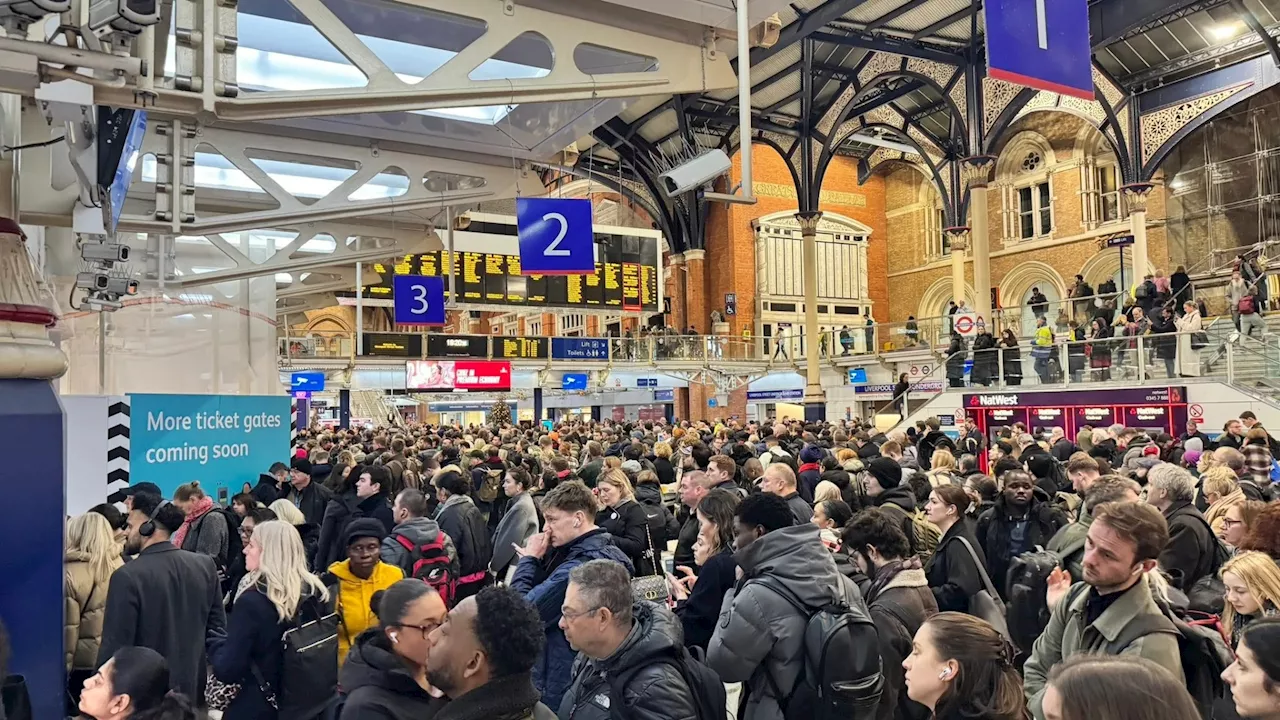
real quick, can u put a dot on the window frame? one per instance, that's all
(1039, 206)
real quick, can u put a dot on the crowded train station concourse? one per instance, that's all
(672, 360)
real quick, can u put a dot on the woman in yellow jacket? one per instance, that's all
(357, 579)
(91, 556)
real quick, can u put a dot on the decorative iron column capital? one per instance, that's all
(809, 222)
(976, 170)
(1136, 195)
(959, 238)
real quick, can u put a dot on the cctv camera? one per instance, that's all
(33, 9)
(126, 16)
(107, 253)
(695, 173)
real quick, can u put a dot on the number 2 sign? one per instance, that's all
(555, 236)
(419, 300)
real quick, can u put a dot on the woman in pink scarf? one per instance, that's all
(203, 531)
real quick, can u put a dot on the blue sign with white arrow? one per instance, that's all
(418, 300)
(556, 236)
(1042, 44)
(310, 382)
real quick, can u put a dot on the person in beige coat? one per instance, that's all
(92, 555)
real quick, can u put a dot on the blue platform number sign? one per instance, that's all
(556, 236)
(419, 300)
(1043, 44)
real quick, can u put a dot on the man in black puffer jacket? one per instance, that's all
(1022, 519)
(624, 640)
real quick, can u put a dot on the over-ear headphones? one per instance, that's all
(149, 527)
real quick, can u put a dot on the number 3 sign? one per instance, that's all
(419, 300)
(555, 236)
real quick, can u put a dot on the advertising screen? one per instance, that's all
(458, 376)
(1159, 409)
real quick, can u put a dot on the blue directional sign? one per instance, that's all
(573, 381)
(555, 236)
(857, 376)
(580, 348)
(311, 382)
(664, 395)
(646, 382)
(1042, 44)
(419, 300)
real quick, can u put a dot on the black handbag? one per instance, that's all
(1199, 339)
(16, 698)
(986, 603)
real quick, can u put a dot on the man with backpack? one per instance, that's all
(791, 617)
(419, 548)
(631, 663)
(1100, 615)
(1193, 551)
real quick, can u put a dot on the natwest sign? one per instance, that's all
(477, 376)
(993, 401)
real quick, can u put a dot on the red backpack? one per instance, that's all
(432, 565)
(1246, 305)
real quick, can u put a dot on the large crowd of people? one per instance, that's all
(699, 570)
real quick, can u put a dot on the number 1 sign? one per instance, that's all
(555, 236)
(419, 300)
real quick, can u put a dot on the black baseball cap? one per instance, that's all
(143, 487)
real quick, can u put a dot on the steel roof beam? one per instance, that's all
(898, 46)
(949, 20)
(1111, 21)
(804, 27)
(1252, 21)
(895, 13)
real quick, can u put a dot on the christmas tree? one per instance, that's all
(500, 413)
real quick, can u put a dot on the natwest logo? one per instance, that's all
(996, 400)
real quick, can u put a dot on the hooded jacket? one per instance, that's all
(661, 521)
(378, 686)
(517, 524)
(654, 690)
(1070, 633)
(85, 604)
(267, 490)
(339, 513)
(952, 576)
(355, 598)
(760, 631)
(898, 609)
(312, 500)
(461, 520)
(417, 531)
(544, 582)
(931, 441)
(1189, 555)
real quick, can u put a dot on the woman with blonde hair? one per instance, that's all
(1221, 490)
(942, 467)
(625, 520)
(309, 532)
(91, 556)
(1252, 580)
(277, 594)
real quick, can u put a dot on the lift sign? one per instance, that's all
(220, 440)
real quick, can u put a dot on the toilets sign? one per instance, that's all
(223, 441)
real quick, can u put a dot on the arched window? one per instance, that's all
(1101, 200)
(935, 220)
(1024, 172)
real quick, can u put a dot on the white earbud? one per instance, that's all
(944, 674)
(395, 638)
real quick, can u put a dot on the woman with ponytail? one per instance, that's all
(133, 685)
(962, 669)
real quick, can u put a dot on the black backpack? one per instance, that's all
(840, 678)
(705, 685)
(309, 672)
(1203, 652)
(1028, 580)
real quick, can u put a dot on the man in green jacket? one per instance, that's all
(1124, 541)
(1070, 540)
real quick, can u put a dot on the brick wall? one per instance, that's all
(1071, 244)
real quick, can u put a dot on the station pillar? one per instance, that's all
(977, 172)
(31, 418)
(1137, 195)
(959, 244)
(815, 400)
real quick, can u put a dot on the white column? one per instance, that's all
(959, 243)
(1137, 195)
(813, 395)
(977, 171)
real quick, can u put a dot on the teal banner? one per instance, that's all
(224, 441)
